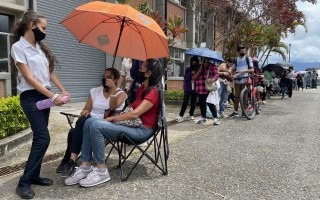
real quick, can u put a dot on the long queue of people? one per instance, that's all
(230, 78)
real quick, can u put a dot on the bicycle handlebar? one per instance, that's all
(252, 76)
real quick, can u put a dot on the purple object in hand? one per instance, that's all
(47, 103)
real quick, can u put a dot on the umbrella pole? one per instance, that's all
(116, 51)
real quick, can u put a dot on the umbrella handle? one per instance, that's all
(116, 51)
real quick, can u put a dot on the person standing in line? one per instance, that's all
(269, 75)
(189, 90)
(243, 66)
(224, 71)
(206, 70)
(35, 63)
(125, 78)
(290, 79)
(299, 81)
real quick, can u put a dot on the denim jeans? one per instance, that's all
(223, 94)
(94, 132)
(39, 125)
(186, 97)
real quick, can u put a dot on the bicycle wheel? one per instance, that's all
(247, 103)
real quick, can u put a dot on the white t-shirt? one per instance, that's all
(242, 65)
(100, 103)
(23, 52)
(125, 71)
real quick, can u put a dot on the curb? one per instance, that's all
(15, 141)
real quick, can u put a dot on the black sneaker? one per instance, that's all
(201, 121)
(69, 168)
(235, 114)
(62, 165)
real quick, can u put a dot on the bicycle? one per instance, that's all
(250, 99)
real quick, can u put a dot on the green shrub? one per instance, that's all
(12, 118)
(173, 95)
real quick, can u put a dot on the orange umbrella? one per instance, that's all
(117, 29)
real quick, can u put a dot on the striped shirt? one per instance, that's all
(200, 81)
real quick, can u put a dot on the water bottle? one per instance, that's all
(47, 103)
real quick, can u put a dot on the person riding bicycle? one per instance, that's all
(242, 67)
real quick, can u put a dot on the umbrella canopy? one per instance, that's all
(117, 29)
(278, 69)
(311, 69)
(205, 52)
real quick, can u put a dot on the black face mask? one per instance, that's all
(106, 88)
(242, 54)
(38, 35)
(140, 77)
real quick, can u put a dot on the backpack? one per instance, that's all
(247, 61)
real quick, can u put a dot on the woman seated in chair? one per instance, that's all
(102, 99)
(146, 106)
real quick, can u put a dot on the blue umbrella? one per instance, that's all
(205, 52)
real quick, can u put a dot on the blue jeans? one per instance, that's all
(223, 94)
(39, 125)
(94, 132)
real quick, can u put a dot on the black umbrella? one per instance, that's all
(312, 68)
(278, 69)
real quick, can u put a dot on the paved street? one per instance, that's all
(275, 156)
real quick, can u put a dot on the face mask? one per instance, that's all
(106, 88)
(38, 35)
(242, 54)
(140, 77)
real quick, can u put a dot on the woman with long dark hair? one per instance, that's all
(35, 63)
(145, 106)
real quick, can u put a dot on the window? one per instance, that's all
(180, 2)
(4, 52)
(6, 23)
(176, 64)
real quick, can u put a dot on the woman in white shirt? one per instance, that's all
(35, 64)
(97, 104)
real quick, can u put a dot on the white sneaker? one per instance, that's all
(264, 102)
(216, 121)
(223, 115)
(191, 118)
(77, 176)
(179, 119)
(95, 178)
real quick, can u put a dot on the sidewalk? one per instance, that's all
(58, 128)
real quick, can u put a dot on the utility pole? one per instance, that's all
(289, 51)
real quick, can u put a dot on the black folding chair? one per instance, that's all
(158, 155)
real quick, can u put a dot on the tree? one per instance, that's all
(236, 20)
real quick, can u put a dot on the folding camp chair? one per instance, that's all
(158, 155)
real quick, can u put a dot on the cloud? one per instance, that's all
(305, 46)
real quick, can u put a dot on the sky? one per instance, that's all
(305, 46)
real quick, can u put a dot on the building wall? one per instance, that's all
(2, 88)
(175, 85)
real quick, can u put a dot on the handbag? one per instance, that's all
(210, 85)
(134, 123)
